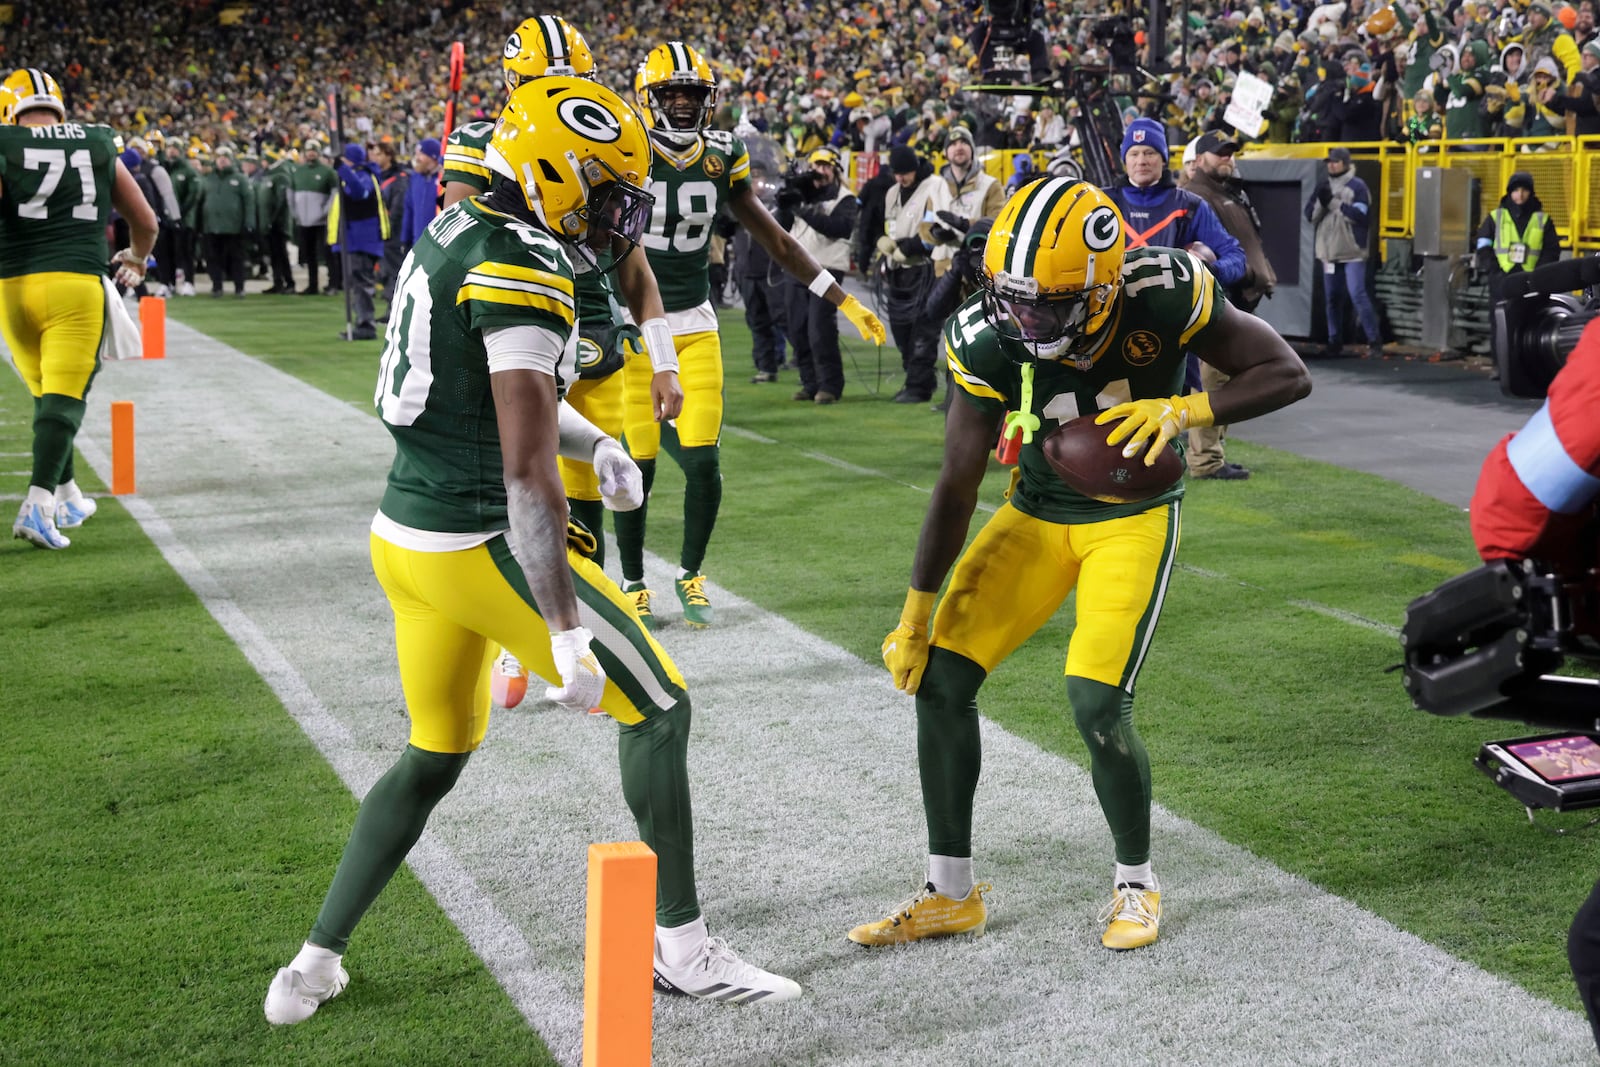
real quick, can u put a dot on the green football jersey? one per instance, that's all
(600, 325)
(473, 269)
(1168, 300)
(688, 192)
(463, 156)
(55, 198)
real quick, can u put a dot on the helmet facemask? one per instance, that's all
(683, 109)
(1047, 325)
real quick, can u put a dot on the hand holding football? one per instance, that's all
(1078, 453)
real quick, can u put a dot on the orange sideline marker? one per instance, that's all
(618, 955)
(153, 326)
(121, 447)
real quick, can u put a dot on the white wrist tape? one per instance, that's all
(578, 435)
(658, 343)
(822, 283)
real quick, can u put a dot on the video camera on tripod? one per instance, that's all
(1485, 643)
(1011, 50)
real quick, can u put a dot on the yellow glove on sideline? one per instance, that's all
(1150, 424)
(905, 650)
(864, 321)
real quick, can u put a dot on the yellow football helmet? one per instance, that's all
(677, 73)
(1052, 267)
(546, 45)
(157, 139)
(8, 102)
(580, 156)
(33, 88)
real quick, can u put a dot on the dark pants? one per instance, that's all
(225, 256)
(314, 247)
(764, 313)
(915, 335)
(362, 267)
(394, 255)
(1350, 279)
(174, 253)
(814, 332)
(278, 253)
(1583, 955)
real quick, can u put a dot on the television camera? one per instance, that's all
(1487, 643)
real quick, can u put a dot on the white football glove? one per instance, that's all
(621, 484)
(583, 680)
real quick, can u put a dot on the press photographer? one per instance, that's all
(1484, 643)
(814, 206)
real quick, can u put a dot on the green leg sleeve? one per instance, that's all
(702, 497)
(655, 783)
(1118, 764)
(56, 420)
(949, 753)
(630, 528)
(592, 513)
(389, 823)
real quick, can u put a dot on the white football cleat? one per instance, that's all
(186, 289)
(292, 999)
(717, 973)
(508, 681)
(38, 525)
(71, 513)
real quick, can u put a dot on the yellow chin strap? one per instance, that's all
(1023, 421)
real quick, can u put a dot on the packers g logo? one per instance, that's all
(1141, 348)
(712, 166)
(589, 119)
(1101, 229)
(513, 45)
(589, 353)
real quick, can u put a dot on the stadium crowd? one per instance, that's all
(859, 75)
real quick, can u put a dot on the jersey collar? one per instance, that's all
(682, 161)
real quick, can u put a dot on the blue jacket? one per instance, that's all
(1169, 217)
(422, 204)
(366, 221)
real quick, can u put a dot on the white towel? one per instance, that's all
(121, 338)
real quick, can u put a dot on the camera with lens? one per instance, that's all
(1487, 643)
(1011, 50)
(799, 185)
(1117, 34)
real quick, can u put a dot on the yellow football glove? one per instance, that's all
(905, 650)
(864, 321)
(1154, 422)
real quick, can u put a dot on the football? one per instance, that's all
(1078, 453)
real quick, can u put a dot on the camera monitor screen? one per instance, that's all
(1559, 759)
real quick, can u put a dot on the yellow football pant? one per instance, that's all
(453, 611)
(600, 401)
(700, 374)
(52, 322)
(1019, 570)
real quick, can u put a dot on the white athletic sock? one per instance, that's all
(951, 875)
(68, 491)
(1140, 874)
(318, 965)
(677, 945)
(42, 497)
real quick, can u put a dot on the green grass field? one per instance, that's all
(1268, 721)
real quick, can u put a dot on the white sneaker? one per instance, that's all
(292, 999)
(38, 525)
(186, 289)
(716, 973)
(508, 682)
(71, 513)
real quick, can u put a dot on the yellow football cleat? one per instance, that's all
(1135, 918)
(928, 914)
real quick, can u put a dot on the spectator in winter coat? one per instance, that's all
(422, 192)
(1341, 208)
(227, 213)
(312, 185)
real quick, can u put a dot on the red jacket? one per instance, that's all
(1538, 487)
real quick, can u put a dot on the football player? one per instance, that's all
(1067, 323)
(481, 347)
(546, 46)
(58, 183)
(697, 170)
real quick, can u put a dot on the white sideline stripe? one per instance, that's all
(868, 472)
(808, 817)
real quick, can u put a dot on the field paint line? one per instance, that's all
(493, 936)
(1309, 605)
(808, 818)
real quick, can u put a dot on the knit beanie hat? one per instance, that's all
(1147, 132)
